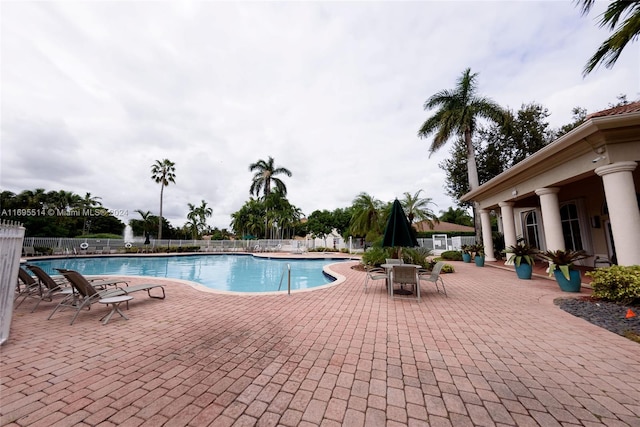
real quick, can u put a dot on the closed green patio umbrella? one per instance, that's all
(398, 233)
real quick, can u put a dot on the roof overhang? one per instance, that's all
(597, 142)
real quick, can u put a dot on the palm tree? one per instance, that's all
(456, 216)
(457, 115)
(90, 201)
(146, 220)
(249, 220)
(163, 172)
(198, 217)
(265, 175)
(417, 208)
(193, 217)
(627, 31)
(204, 212)
(366, 216)
(65, 200)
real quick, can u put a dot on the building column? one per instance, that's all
(550, 208)
(620, 193)
(487, 235)
(508, 224)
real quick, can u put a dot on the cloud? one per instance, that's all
(331, 90)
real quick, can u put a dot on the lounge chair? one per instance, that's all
(100, 284)
(29, 251)
(84, 294)
(433, 276)
(29, 288)
(48, 287)
(87, 293)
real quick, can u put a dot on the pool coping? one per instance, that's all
(339, 278)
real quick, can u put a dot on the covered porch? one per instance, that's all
(580, 192)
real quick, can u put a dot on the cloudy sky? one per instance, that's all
(94, 92)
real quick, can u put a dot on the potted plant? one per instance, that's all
(477, 253)
(561, 266)
(466, 253)
(522, 256)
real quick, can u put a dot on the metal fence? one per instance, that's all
(11, 237)
(441, 242)
(69, 246)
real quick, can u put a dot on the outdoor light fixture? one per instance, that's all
(601, 154)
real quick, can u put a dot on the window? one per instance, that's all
(571, 227)
(531, 229)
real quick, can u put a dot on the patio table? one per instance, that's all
(115, 303)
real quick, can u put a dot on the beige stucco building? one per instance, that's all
(580, 192)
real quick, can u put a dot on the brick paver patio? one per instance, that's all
(496, 351)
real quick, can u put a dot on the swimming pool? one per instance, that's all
(234, 273)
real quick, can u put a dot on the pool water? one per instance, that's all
(235, 273)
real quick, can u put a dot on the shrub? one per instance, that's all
(416, 256)
(100, 236)
(322, 249)
(374, 256)
(43, 250)
(616, 283)
(447, 268)
(451, 255)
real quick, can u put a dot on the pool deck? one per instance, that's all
(495, 352)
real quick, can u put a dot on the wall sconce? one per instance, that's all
(514, 193)
(601, 154)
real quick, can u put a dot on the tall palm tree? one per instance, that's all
(204, 212)
(418, 208)
(629, 30)
(265, 175)
(194, 219)
(457, 113)
(163, 172)
(366, 218)
(90, 201)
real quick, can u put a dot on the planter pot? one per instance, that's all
(571, 285)
(479, 261)
(524, 271)
(466, 257)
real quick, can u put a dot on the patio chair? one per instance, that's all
(433, 276)
(374, 273)
(98, 283)
(84, 294)
(29, 288)
(29, 251)
(405, 275)
(48, 287)
(394, 261)
(123, 290)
